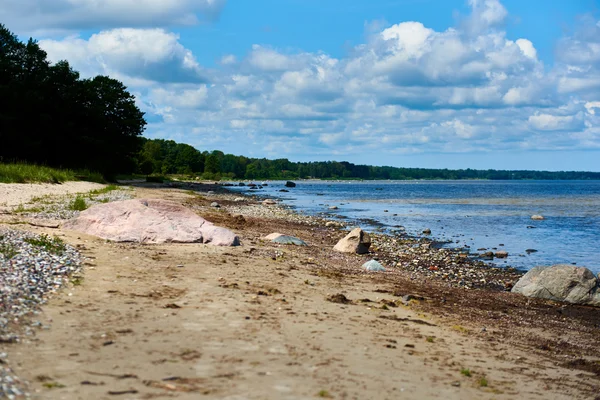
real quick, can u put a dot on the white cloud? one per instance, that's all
(409, 89)
(527, 48)
(36, 15)
(590, 106)
(548, 122)
(485, 14)
(149, 54)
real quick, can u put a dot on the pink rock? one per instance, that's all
(150, 221)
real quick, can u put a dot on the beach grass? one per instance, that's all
(31, 173)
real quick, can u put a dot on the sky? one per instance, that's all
(504, 84)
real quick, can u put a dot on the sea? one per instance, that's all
(472, 215)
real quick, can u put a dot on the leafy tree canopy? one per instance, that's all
(51, 116)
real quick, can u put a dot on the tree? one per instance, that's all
(51, 116)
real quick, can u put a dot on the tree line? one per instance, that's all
(51, 116)
(159, 156)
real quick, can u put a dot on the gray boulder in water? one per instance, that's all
(562, 282)
(150, 221)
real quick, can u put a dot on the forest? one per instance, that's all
(52, 117)
(164, 157)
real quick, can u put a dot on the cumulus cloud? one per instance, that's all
(143, 54)
(578, 56)
(36, 15)
(409, 89)
(549, 122)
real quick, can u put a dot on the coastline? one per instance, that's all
(553, 345)
(477, 217)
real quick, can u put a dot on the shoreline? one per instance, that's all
(554, 345)
(475, 226)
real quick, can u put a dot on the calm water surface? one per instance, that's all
(479, 214)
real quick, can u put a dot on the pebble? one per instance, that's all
(29, 273)
(57, 208)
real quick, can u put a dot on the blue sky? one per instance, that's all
(501, 84)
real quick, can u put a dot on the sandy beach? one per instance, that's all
(270, 321)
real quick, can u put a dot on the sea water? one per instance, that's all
(469, 214)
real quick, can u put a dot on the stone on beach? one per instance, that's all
(357, 241)
(562, 282)
(150, 221)
(501, 254)
(269, 202)
(373, 266)
(285, 239)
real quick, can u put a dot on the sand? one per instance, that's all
(13, 194)
(255, 322)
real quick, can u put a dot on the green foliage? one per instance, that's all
(168, 157)
(104, 190)
(78, 204)
(465, 371)
(53, 245)
(48, 111)
(29, 173)
(483, 382)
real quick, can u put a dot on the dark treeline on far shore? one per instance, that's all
(50, 116)
(168, 157)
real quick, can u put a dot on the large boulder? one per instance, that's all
(290, 184)
(357, 241)
(562, 282)
(150, 221)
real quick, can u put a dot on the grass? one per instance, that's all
(430, 339)
(30, 173)
(52, 385)
(22, 209)
(53, 245)
(465, 371)
(483, 382)
(78, 204)
(7, 250)
(460, 329)
(324, 394)
(104, 190)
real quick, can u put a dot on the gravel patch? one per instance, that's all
(61, 207)
(32, 267)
